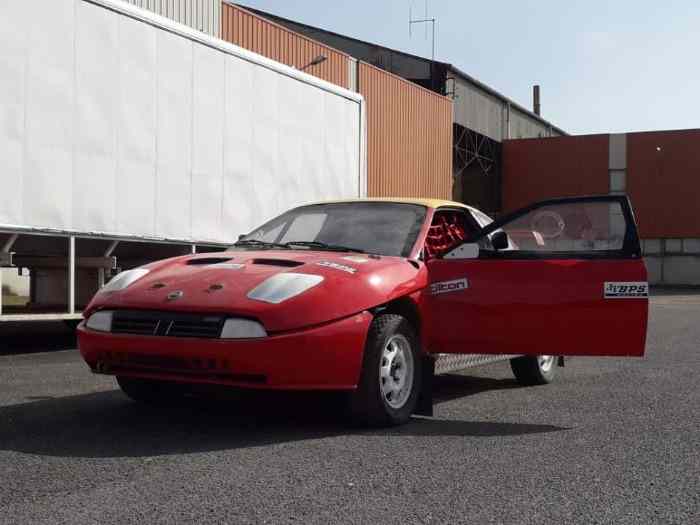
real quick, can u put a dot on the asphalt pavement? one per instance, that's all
(611, 441)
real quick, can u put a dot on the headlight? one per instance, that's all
(100, 321)
(242, 329)
(283, 286)
(124, 279)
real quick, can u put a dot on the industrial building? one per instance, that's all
(659, 171)
(426, 129)
(482, 117)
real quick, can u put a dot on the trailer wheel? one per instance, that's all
(390, 379)
(533, 370)
(149, 391)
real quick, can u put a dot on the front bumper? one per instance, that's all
(327, 357)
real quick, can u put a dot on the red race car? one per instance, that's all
(363, 295)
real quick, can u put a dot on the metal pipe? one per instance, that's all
(113, 245)
(9, 243)
(536, 99)
(71, 275)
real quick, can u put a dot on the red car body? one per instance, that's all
(502, 302)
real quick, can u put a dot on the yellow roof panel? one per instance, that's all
(428, 203)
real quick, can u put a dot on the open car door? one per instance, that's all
(560, 277)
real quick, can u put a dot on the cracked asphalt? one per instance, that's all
(611, 441)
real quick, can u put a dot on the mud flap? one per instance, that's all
(424, 407)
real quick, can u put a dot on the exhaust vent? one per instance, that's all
(285, 263)
(204, 261)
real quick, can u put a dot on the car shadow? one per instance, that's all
(37, 336)
(107, 424)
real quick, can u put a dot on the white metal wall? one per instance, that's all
(111, 125)
(203, 15)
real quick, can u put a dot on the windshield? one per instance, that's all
(383, 228)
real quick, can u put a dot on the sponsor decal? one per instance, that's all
(625, 290)
(337, 266)
(458, 285)
(356, 259)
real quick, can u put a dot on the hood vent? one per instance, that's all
(285, 263)
(204, 261)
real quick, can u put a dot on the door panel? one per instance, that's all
(571, 282)
(536, 307)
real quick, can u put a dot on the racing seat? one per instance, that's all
(446, 232)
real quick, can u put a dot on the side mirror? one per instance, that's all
(240, 237)
(499, 240)
(468, 250)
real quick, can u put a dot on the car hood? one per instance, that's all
(221, 282)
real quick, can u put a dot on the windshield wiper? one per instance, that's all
(323, 246)
(260, 244)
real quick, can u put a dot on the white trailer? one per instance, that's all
(126, 137)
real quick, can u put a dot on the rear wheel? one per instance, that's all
(533, 370)
(391, 373)
(150, 391)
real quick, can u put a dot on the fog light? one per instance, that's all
(242, 329)
(100, 321)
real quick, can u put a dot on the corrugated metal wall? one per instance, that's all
(203, 15)
(489, 115)
(409, 129)
(249, 31)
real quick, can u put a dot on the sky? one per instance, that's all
(603, 66)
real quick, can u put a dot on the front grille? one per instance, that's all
(170, 324)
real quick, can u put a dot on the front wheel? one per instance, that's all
(390, 380)
(533, 370)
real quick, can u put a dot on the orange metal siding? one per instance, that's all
(538, 169)
(663, 181)
(409, 137)
(249, 31)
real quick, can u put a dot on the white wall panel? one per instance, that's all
(266, 137)
(207, 151)
(96, 101)
(13, 50)
(48, 161)
(291, 116)
(242, 203)
(136, 145)
(114, 121)
(174, 143)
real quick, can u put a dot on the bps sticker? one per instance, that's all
(624, 290)
(458, 285)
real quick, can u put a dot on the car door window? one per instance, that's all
(592, 226)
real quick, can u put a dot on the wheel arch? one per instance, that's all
(404, 306)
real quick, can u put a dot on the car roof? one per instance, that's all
(428, 203)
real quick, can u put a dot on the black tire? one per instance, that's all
(149, 391)
(529, 370)
(368, 404)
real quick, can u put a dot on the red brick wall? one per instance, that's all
(538, 169)
(664, 184)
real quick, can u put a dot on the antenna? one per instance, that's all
(425, 20)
